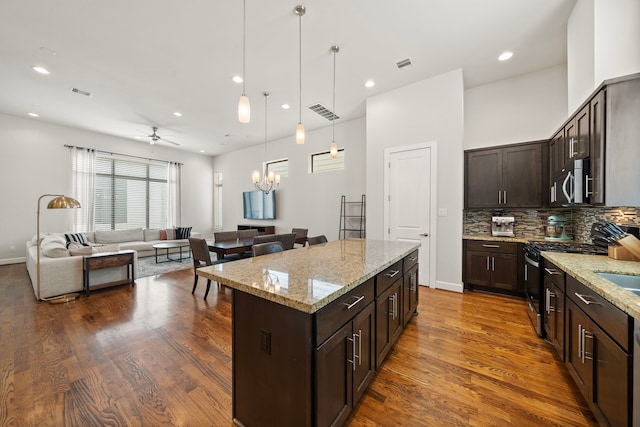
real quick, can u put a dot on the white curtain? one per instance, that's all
(174, 218)
(83, 162)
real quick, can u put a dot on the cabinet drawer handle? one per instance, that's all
(353, 350)
(586, 299)
(550, 271)
(490, 246)
(412, 259)
(358, 299)
(392, 273)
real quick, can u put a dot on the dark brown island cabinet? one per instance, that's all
(493, 266)
(312, 368)
(509, 176)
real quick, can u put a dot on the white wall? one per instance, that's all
(430, 110)
(602, 43)
(34, 161)
(580, 54)
(303, 200)
(525, 108)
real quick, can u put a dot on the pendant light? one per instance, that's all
(333, 148)
(270, 180)
(244, 106)
(300, 11)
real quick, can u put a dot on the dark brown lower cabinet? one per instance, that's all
(599, 365)
(410, 294)
(345, 367)
(388, 320)
(554, 307)
(491, 266)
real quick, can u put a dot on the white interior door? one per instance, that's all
(409, 202)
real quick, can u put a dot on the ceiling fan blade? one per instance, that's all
(169, 141)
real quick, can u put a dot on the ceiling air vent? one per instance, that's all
(81, 92)
(324, 112)
(404, 64)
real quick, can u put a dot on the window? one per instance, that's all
(130, 194)
(323, 162)
(279, 167)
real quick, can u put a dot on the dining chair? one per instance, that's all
(316, 240)
(243, 234)
(264, 238)
(301, 235)
(201, 258)
(221, 236)
(266, 248)
(287, 240)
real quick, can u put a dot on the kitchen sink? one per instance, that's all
(627, 281)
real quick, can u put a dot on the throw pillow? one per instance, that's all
(163, 234)
(171, 233)
(75, 237)
(54, 248)
(183, 232)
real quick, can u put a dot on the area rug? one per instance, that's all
(147, 265)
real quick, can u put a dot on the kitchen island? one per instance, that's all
(306, 337)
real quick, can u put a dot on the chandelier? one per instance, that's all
(270, 180)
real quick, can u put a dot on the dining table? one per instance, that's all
(228, 247)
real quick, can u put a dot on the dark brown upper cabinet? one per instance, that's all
(507, 176)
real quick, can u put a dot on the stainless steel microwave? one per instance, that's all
(572, 185)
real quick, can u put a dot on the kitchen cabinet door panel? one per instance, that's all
(504, 271)
(595, 189)
(581, 372)
(612, 371)
(334, 378)
(522, 176)
(478, 268)
(484, 178)
(364, 328)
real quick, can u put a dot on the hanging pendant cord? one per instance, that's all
(264, 167)
(244, 42)
(333, 122)
(300, 63)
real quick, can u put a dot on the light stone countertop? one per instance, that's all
(584, 268)
(491, 238)
(311, 277)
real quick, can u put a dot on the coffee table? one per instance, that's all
(171, 245)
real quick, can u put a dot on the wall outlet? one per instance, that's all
(12, 249)
(265, 341)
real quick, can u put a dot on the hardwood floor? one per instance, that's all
(156, 355)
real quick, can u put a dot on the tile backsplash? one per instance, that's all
(530, 223)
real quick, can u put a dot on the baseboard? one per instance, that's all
(454, 287)
(8, 261)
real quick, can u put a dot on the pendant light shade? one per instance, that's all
(333, 148)
(244, 109)
(300, 11)
(300, 134)
(244, 106)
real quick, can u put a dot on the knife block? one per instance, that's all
(621, 253)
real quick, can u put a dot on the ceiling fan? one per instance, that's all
(155, 137)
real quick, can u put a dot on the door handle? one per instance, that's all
(425, 234)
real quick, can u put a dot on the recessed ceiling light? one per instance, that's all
(40, 70)
(286, 106)
(177, 114)
(369, 83)
(505, 55)
(34, 115)
(202, 151)
(237, 79)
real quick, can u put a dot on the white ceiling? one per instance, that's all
(144, 59)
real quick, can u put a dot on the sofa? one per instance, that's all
(61, 261)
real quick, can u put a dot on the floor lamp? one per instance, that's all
(60, 202)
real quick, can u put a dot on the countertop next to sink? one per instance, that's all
(584, 268)
(491, 238)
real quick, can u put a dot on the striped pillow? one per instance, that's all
(75, 238)
(183, 232)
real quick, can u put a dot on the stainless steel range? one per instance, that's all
(534, 273)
